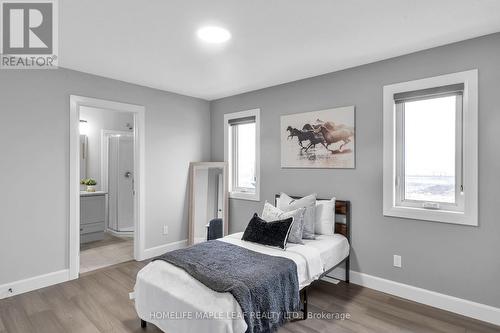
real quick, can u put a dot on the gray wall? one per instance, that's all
(456, 260)
(34, 167)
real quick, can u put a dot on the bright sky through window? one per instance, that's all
(246, 156)
(429, 145)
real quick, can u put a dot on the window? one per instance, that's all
(242, 153)
(430, 149)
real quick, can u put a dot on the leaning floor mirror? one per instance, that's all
(208, 201)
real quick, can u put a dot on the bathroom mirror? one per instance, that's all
(208, 201)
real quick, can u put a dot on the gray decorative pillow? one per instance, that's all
(286, 203)
(271, 213)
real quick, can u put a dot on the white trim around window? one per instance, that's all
(466, 211)
(234, 192)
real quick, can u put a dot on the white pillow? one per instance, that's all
(325, 217)
(286, 203)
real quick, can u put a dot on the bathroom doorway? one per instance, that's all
(107, 212)
(107, 206)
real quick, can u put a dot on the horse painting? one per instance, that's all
(325, 142)
(313, 137)
(336, 134)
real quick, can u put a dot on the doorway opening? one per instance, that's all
(107, 164)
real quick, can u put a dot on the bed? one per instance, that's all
(170, 298)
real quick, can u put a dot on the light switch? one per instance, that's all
(397, 261)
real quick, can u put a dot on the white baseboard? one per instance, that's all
(445, 302)
(36, 282)
(45, 280)
(128, 234)
(457, 305)
(159, 250)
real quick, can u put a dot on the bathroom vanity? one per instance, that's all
(92, 216)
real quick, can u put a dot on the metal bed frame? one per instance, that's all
(342, 207)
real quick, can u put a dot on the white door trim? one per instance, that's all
(139, 165)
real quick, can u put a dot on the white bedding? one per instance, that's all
(333, 248)
(180, 303)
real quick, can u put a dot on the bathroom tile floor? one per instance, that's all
(111, 250)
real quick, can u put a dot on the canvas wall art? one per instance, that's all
(319, 139)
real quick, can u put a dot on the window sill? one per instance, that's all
(443, 216)
(244, 196)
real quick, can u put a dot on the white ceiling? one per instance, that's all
(153, 42)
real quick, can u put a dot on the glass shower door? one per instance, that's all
(121, 182)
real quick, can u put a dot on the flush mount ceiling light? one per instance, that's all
(213, 35)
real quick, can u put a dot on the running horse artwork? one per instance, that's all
(318, 139)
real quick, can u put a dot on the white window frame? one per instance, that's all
(238, 193)
(466, 210)
(400, 199)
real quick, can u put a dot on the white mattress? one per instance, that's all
(176, 299)
(333, 249)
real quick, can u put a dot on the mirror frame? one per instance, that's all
(205, 165)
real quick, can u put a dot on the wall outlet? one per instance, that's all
(165, 229)
(6, 292)
(397, 261)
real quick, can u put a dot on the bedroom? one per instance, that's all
(344, 60)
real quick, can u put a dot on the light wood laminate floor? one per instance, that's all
(108, 239)
(110, 251)
(98, 302)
